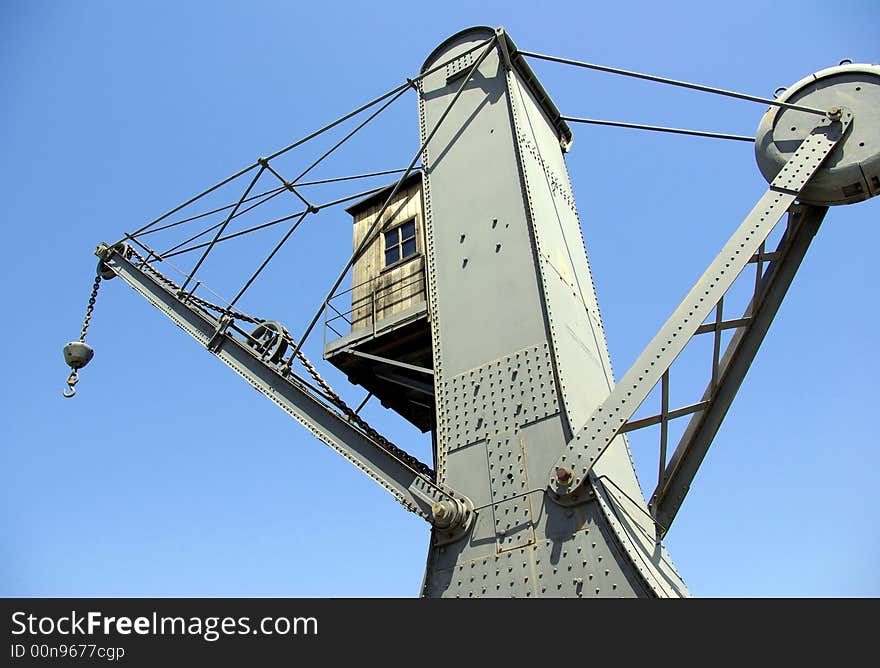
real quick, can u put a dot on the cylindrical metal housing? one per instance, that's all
(852, 172)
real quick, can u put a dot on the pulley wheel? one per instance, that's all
(269, 340)
(852, 172)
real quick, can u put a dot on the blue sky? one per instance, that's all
(168, 476)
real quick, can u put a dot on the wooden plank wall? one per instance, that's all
(397, 288)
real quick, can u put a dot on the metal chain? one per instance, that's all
(73, 378)
(90, 308)
(349, 412)
(196, 300)
(334, 398)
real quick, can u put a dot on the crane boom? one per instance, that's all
(412, 489)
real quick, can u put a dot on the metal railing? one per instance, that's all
(349, 311)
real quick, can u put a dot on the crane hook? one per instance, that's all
(76, 354)
(72, 380)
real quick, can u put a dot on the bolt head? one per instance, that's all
(444, 514)
(563, 475)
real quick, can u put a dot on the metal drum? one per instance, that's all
(852, 171)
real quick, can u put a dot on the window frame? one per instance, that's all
(398, 228)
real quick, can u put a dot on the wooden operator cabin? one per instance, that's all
(377, 332)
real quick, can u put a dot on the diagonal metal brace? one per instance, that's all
(694, 444)
(577, 459)
(447, 510)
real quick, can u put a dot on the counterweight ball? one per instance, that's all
(77, 354)
(851, 172)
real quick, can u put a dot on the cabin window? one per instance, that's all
(400, 243)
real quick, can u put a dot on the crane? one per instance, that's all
(532, 490)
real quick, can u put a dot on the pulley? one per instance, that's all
(269, 339)
(104, 271)
(852, 172)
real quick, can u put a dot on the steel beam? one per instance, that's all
(519, 353)
(403, 381)
(385, 360)
(573, 466)
(413, 490)
(682, 468)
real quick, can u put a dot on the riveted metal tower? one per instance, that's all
(501, 221)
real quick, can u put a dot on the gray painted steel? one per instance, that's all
(599, 432)
(414, 491)
(804, 221)
(535, 492)
(519, 350)
(852, 171)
